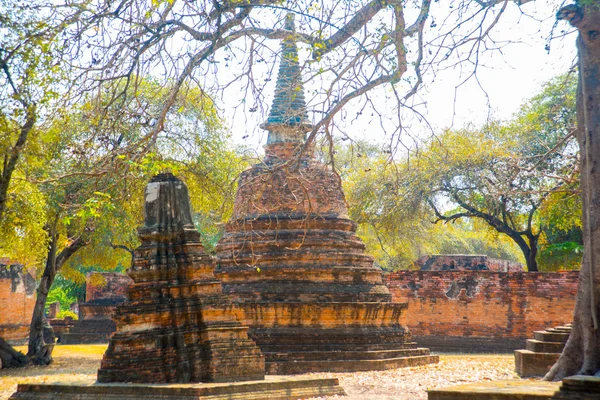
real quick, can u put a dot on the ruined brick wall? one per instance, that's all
(468, 262)
(17, 299)
(482, 310)
(109, 287)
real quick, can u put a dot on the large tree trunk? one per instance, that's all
(10, 358)
(530, 258)
(581, 354)
(38, 351)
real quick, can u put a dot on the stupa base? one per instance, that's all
(273, 388)
(298, 338)
(291, 366)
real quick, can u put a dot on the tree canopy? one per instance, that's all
(518, 177)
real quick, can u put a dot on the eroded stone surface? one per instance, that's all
(176, 325)
(576, 387)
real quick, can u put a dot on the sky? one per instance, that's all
(504, 81)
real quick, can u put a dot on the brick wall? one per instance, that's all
(482, 310)
(469, 262)
(17, 299)
(106, 287)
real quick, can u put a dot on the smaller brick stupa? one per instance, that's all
(176, 326)
(291, 259)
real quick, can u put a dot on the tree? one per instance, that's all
(395, 224)
(504, 173)
(31, 67)
(30, 71)
(581, 354)
(518, 177)
(94, 209)
(354, 48)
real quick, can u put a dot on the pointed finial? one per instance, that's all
(289, 22)
(289, 105)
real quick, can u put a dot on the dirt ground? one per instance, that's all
(76, 363)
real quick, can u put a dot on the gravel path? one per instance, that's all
(412, 383)
(75, 363)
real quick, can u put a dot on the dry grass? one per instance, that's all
(80, 362)
(71, 363)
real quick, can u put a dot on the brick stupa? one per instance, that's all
(291, 259)
(176, 325)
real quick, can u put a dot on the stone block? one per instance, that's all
(548, 336)
(528, 363)
(544, 347)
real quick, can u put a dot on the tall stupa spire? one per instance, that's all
(288, 119)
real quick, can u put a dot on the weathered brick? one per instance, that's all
(17, 300)
(481, 307)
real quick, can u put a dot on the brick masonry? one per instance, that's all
(112, 287)
(466, 262)
(102, 295)
(104, 292)
(17, 299)
(482, 310)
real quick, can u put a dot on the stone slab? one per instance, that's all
(579, 387)
(498, 390)
(544, 347)
(273, 388)
(301, 367)
(547, 336)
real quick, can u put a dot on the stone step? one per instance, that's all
(528, 363)
(343, 355)
(579, 387)
(277, 388)
(544, 347)
(498, 390)
(301, 367)
(269, 348)
(545, 336)
(559, 329)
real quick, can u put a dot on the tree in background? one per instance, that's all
(516, 177)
